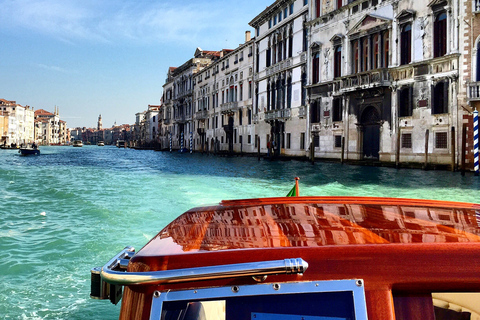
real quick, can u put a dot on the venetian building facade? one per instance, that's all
(280, 67)
(224, 102)
(178, 124)
(383, 80)
(17, 123)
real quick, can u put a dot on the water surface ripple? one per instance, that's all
(71, 209)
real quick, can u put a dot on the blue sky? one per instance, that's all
(109, 57)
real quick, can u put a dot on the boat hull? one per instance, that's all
(29, 152)
(403, 252)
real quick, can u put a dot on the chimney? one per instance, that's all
(248, 36)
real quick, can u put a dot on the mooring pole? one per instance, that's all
(342, 158)
(258, 147)
(397, 151)
(426, 149)
(475, 141)
(191, 142)
(454, 148)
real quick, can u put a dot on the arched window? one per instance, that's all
(376, 52)
(365, 54)
(289, 92)
(406, 44)
(386, 49)
(337, 62)
(290, 43)
(315, 68)
(356, 57)
(440, 35)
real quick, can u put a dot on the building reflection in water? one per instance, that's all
(312, 225)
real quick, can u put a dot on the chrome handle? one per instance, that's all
(261, 268)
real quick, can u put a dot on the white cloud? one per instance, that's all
(117, 21)
(54, 68)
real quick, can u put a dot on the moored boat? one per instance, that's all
(78, 143)
(304, 258)
(100, 143)
(121, 144)
(29, 151)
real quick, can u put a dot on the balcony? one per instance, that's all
(280, 114)
(369, 79)
(201, 115)
(279, 67)
(302, 112)
(229, 107)
(180, 118)
(184, 93)
(473, 91)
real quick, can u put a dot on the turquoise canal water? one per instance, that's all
(71, 209)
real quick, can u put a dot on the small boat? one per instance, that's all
(78, 143)
(100, 143)
(306, 258)
(121, 144)
(29, 151)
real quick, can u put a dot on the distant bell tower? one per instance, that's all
(99, 124)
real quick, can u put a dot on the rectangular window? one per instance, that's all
(305, 2)
(317, 8)
(249, 139)
(279, 16)
(440, 35)
(316, 141)
(285, 13)
(405, 98)
(337, 109)
(302, 141)
(441, 140)
(440, 98)
(406, 44)
(406, 142)
(304, 300)
(256, 141)
(288, 140)
(291, 8)
(337, 62)
(338, 141)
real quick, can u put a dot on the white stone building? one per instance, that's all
(47, 128)
(223, 97)
(178, 124)
(280, 77)
(151, 123)
(19, 122)
(383, 79)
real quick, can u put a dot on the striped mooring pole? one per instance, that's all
(191, 142)
(182, 145)
(170, 142)
(475, 141)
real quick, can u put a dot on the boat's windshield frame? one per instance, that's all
(355, 287)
